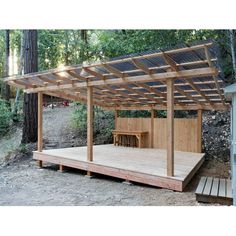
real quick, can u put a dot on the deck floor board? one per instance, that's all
(220, 191)
(140, 160)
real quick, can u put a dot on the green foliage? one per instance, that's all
(103, 123)
(68, 47)
(5, 118)
(23, 148)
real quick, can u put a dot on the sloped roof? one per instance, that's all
(138, 81)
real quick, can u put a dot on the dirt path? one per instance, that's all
(23, 183)
(10, 142)
(56, 126)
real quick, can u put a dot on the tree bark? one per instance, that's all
(84, 47)
(232, 45)
(30, 105)
(21, 72)
(7, 90)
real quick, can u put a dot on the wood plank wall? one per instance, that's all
(186, 132)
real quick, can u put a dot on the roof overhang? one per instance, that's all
(138, 81)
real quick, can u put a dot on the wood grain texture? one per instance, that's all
(214, 190)
(40, 121)
(185, 136)
(142, 165)
(170, 127)
(153, 112)
(90, 123)
(199, 130)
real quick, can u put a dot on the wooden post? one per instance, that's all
(89, 125)
(40, 125)
(199, 130)
(116, 116)
(61, 168)
(153, 115)
(170, 127)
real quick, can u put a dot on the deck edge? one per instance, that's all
(157, 181)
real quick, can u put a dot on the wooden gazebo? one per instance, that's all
(183, 78)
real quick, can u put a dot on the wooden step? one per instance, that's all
(214, 190)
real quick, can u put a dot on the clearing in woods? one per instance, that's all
(23, 183)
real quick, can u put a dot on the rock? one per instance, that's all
(216, 135)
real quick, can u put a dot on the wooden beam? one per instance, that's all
(170, 127)
(153, 115)
(170, 62)
(116, 117)
(113, 70)
(61, 168)
(90, 123)
(199, 130)
(202, 72)
(141, 66)
(187, 95)
(156, 54)
(173, 67)
(75, 75)
(95, 73)
(40, 121)
(76, 67)
(192, 107)
(200, 92)
(148, 97)
(214, 77)
(115, 92)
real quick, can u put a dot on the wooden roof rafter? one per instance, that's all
(174, 67)
(210, 64)
(137, 79)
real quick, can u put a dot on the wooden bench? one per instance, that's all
(214, 190)
(129, 138)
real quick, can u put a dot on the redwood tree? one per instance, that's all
(7, 46)
(30, 100)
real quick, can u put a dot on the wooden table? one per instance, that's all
(123, 138)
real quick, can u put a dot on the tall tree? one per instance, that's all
(232, 46)
(7, 46)
(30, 100)
(84, 46)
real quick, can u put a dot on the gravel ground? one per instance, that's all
(23, 183)
(10, 142)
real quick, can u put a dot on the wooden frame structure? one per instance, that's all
(185, 78)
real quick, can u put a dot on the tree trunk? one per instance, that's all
(84, 46)
(67, 48)
(20, 72)
(30, 105)
(232, 45)
(7, 46)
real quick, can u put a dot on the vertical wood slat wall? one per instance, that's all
(186, 132)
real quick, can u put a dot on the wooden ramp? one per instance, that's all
(214, 190)
(143, 165)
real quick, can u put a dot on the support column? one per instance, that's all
(170, 127)
(40, 125)
(116, 116)
(153, 115)
(233, 148)
(199, 130)
(89, 125)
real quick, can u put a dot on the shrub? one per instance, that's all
(103, 123)
(5, 118)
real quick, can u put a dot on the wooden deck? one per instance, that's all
(214, 190)
(141, 165)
